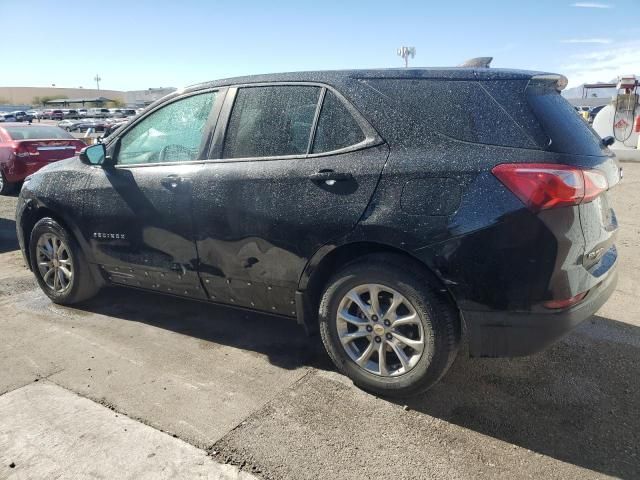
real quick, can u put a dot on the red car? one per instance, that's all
(25, 149)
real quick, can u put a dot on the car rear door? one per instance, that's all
(139, 221)
(292, 167)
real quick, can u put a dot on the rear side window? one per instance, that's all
(271, 121)
(336, 126)
(566, 129)
(36, 133)
(463, 110)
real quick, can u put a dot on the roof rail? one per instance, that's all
(477, 62)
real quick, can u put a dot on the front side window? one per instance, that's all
(172, 134)
(271, 121)
(336, 126)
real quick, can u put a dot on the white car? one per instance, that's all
(67, 124)
(98, 113)
(8, 117)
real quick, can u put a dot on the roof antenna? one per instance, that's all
(477, 62)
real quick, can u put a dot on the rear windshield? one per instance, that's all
(36, 132)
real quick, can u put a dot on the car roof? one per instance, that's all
(339, 76)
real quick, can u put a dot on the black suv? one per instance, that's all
(385, 208)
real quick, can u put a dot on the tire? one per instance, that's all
(436, 324)
(80, 284)
(6, 187)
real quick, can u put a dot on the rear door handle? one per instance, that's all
(173, 182)
(330, 177)
(178, 267)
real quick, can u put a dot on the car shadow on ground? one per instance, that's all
(281, 340)
(8, 240)
(578, 402)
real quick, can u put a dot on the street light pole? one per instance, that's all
(97, 79)
(405, 53)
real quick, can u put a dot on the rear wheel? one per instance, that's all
(59, 265)
(386, 328)
(5, 187)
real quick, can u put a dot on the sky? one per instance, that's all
(139, 44)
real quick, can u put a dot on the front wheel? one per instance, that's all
(59, 264)
(386, 328)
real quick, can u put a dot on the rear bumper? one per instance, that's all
(515, 334)
(18, 170)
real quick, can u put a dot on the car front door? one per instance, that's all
(293, 168)
(139, 221)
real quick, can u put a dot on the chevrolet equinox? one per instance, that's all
(387, 209)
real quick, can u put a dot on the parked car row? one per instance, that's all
(72, 114)
(96, 124)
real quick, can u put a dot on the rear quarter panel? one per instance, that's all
(474, 234)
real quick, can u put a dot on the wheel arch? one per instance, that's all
(32, 215)
(329, 259)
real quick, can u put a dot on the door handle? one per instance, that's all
(178, 267)
(172, 182)
(330, 177)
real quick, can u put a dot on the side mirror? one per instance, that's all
(94, 154)
(608, 141)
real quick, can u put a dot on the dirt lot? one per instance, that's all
(254, 391)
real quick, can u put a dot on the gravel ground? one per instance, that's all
(256, 393)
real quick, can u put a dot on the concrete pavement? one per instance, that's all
(48, 432)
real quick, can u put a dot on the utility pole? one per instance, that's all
(405, 53)
(97, 79)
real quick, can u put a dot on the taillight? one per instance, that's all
(542, 185)
(567, 302)
(25, 151)
(594, 184)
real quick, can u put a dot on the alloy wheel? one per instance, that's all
(380, 330)
(54, 262)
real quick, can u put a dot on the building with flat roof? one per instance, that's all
(28, 95)
(131, 98)
(142, 98)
